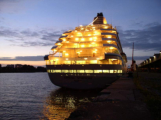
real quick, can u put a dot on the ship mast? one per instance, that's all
(132, 58)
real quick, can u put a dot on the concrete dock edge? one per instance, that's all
(119, 101)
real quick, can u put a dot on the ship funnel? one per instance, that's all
(99, 19)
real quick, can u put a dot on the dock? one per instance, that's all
(119, 101)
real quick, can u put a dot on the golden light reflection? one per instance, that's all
(62, 102)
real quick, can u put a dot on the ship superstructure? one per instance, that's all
(86, 53)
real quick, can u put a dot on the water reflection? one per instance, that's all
(60, 103)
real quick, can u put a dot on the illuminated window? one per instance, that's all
(93, 61)
(88, 71)
(109, 41)
(65, 71)
(76, 38)
(111, 71)
(82, 45)
(48, 71)
(57, 71)
(80, 71)
(51, 62)
(79, 34)
(90, 39)
(119, 71)
(72, 71)
(95, 38)
(97, 71)
(106, 71)
(115, 71)
(82, 39)
(109, 37)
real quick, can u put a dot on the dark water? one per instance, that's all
(29, 96)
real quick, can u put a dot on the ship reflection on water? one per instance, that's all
(60, 103)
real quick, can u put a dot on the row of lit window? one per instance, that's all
(83, 71)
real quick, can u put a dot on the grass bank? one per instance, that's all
(150, 86)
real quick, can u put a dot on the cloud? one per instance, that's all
(148, 38)
(23, 58)
(5, 32)
(28, 37)
(51, 36)
(138, 57)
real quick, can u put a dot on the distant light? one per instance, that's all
(85, 58)
(66, 58)
(81, 25)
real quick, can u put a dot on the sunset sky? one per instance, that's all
(29, 28)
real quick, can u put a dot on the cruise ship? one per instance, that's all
(87, 57)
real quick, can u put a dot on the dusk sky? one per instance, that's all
(29, 28)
